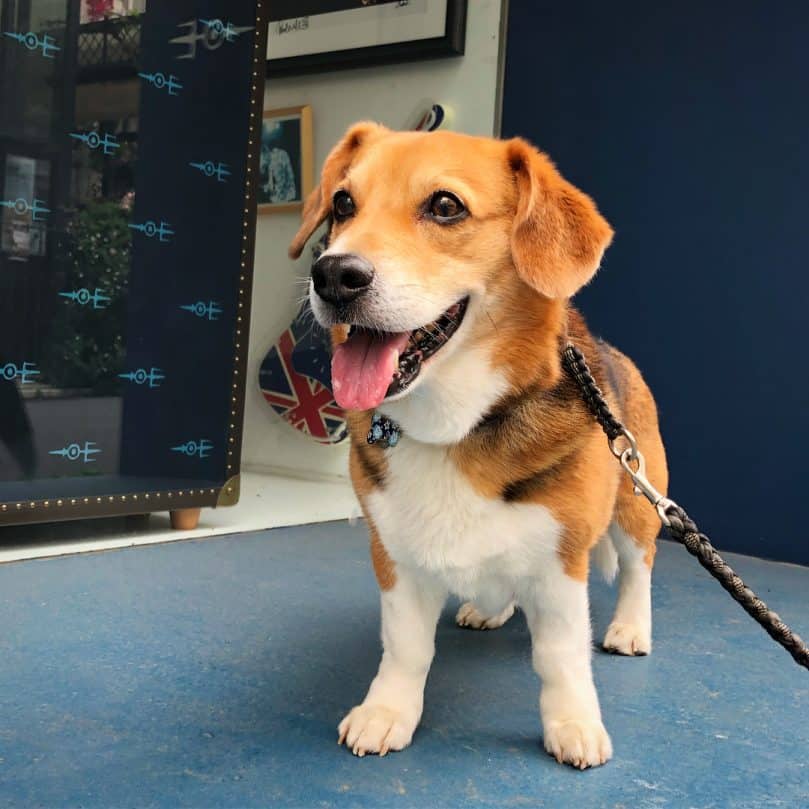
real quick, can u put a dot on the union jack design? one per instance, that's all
(295, 379)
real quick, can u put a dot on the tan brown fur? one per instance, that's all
(367, 467)
(317, 205)
(639, 412)
(526, 338)
(384, 567)
(545, 448)
(559, 236)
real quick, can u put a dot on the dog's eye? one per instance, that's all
(445, 207)
(342, 206)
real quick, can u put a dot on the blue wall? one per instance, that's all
(689, 124)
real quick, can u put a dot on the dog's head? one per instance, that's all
(427, 232)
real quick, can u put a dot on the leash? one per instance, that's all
(680, 525)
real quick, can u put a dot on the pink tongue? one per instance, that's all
(362, 368)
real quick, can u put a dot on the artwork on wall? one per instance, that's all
(286, 168)
(308, 36)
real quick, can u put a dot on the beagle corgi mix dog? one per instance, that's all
(446, 285)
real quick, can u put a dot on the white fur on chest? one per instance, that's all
(429, 517)
(458, 391)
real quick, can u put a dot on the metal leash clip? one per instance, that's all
(642, 485)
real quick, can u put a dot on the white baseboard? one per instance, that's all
(292, 473)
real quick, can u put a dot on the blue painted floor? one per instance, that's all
(214, 673)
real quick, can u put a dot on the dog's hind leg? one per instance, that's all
(635, 523)
(473, 618)
(630, 632)
(633, 533)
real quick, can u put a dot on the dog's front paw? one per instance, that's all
(627, 639)
(375, 729)
(580, 743)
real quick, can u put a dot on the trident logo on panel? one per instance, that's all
(194, 449)
(211, 169)
(151, 229)
(46, 44)
(109, 143)
(154, 376)
(84, 297)
(75, 452)
(10, 371)
(171, 84)
(21, 207)
(211, 33)
(209, 311)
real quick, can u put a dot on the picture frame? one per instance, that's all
(310, 36)
(286, 163)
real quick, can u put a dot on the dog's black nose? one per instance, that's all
(340, 279)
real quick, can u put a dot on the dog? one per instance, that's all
(446, 284)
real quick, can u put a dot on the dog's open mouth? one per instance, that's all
(372, 365)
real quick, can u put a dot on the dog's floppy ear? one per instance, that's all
(559, 236)
(318, 203)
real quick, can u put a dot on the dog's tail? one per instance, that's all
(605, 558)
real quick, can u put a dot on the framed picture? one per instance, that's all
(286, 168)
(308, 36)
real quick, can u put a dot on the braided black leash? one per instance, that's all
(680, 525)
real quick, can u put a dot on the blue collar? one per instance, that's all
(384, 431)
